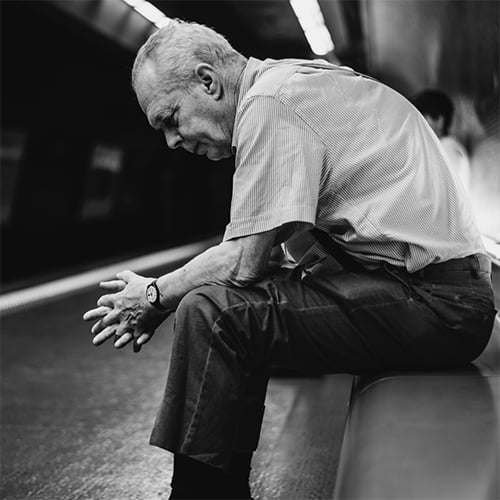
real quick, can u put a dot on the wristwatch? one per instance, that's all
(153, 296)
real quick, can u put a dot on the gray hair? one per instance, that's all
(177, 48)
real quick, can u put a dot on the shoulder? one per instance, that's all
(271, 78)
(289, 87)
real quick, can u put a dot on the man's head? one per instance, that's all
(186, 80)
(437, 109)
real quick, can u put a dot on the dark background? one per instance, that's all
(65, 91)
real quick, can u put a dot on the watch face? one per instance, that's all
(151, 293)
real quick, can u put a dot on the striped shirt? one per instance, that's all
(323, 145)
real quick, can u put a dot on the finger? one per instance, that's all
(112, 317)
(104, 335)
(136, 346)
(121, 329)
(123, 340)
(113, 285)
(141, 340)
(107, 300)
(97, 313)
(126, 275)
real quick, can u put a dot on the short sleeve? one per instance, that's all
(278, 168)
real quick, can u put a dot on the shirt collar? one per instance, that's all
(250, 74)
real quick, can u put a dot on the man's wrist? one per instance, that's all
(153, 296)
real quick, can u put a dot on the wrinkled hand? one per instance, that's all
(125, 314)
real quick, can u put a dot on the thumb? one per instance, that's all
(126, 275)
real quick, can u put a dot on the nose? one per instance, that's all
(173, 139)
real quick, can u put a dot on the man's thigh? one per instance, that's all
(328, 321)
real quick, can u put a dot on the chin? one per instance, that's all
(217, 155)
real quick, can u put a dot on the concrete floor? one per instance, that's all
(76, 418)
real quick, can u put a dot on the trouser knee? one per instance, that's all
(201, 319)
(199, 308)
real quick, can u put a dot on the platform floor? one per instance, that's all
(76, 419)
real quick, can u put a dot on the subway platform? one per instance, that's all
(76, 419)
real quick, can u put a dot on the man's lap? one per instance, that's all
(331, 320)
(318, 320)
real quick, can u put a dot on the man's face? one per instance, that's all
(190, 118)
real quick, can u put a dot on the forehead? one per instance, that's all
(154, 100)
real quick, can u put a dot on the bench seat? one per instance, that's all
(424, 435)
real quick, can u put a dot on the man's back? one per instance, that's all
(384, 188)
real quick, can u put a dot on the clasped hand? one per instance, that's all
(125, 314)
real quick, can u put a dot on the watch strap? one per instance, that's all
(156, 303)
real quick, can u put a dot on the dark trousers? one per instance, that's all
(319, 320)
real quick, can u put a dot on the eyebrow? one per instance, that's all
(160, 117)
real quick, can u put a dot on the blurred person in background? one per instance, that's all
(438, 110)
(391, 271)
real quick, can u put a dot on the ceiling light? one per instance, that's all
(312, 22)
(149, 11)
(162, 22)
(133, 3)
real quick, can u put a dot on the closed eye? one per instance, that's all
(170, 121)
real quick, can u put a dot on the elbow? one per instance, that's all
(244, 279)
(243, 270)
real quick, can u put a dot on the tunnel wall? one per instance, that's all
(84, 177)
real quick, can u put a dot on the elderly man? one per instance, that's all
(390, 271)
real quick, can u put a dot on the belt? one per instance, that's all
(475, 263)
(335, 250)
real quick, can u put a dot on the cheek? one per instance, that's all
(201, 129)
(193, 128)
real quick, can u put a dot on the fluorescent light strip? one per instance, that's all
(149, 11)
(312, 22)
(20, 299)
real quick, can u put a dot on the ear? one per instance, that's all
(209, 79)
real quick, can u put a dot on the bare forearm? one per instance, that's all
(128, 314)
(236, 263)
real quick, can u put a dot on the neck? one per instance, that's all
(234, 90)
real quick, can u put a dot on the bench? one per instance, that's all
(424, 435)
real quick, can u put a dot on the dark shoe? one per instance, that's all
(196, 480)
